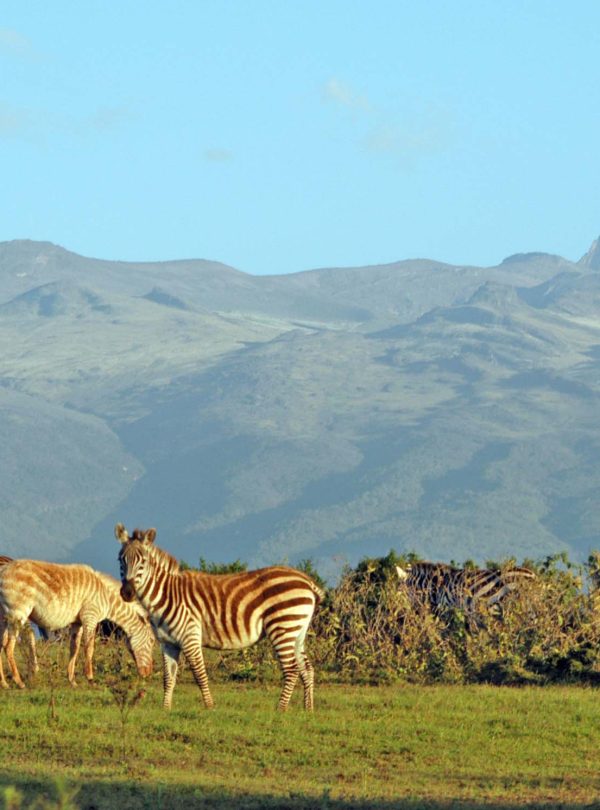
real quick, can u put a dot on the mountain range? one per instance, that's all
(329, 414)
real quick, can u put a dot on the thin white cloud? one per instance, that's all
(14, 122)
(418, 137)
(215, 155)
(105, 119)
(38, 125)
(13, 43)
(405, 132)
(338, 92)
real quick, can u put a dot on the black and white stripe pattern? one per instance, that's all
(190, 610)
(443, 586)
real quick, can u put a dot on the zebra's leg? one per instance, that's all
(307, 673)
(3, 641)
(35, 667)
(14, 627)
(192, 649)
(286, 655)
(75, 644)
(89, 624)
(170, 656)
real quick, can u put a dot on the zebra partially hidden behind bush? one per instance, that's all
(444, 587)
(54, 596)
(191, 609)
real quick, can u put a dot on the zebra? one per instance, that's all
(190, 610)
(54, 596)
(4, 560)
(444, 586)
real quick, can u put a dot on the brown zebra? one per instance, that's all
(189, 610)
(4, 560)
(55, 596)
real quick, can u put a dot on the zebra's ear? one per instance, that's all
(121, 533)
(402, 574)
(150, 536)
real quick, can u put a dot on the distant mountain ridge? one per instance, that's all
(450, 410)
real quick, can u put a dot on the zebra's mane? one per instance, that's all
(424, 565)
(108, 580)
(113, 587)
(163, 560)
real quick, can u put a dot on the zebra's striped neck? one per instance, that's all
(161, 571)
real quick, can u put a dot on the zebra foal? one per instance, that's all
(190, 610)
(55, 596)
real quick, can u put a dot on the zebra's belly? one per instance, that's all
(221, 638)
(54, 615)
(214, 636)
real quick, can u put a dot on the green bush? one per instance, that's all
(369, 630)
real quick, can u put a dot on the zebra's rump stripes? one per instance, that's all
(191, 610)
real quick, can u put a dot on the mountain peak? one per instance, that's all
(55, 299)
(495, 295)
(591, 260)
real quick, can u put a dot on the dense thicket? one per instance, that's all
(368, 630)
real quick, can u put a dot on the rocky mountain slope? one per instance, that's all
(328, 414)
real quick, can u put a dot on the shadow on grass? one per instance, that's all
(102, 795)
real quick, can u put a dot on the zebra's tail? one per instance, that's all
(318, 592)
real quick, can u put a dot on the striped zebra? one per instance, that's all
(443, 586)
(191, 609)
(4, 560)
(55, 596)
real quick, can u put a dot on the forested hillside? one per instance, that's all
(328, 414)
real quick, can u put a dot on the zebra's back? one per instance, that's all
(235, 610)
(49, 594)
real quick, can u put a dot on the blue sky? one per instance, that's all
(282, 136)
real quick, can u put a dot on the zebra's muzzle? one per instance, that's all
(127, 591)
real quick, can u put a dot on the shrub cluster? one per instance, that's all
(369, 630)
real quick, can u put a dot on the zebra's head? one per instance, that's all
(141, 642)
(133, 558)
(403, 573)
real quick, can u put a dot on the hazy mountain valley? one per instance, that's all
(327, 414)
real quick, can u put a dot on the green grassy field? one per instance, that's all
(405, 746)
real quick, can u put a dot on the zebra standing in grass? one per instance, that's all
(191, 609)
(443, 586)
(55, 596)
(4, 560)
